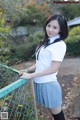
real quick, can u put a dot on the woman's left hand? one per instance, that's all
(26, 76)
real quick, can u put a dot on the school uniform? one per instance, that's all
(47, 88)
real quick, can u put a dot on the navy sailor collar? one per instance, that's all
(52, 39)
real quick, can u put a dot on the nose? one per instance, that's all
(50, 29)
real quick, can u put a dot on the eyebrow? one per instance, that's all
(53, 25)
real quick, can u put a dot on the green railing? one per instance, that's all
(17, 98)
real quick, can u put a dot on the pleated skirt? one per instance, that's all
(48, 94)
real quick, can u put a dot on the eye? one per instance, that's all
(48, 25)
(54, 27)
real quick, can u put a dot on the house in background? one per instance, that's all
(74, 22)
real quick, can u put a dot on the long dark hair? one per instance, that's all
(63, 28)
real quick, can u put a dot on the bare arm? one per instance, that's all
(30, 69)
(54, 68)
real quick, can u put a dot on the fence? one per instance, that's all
(17, 98)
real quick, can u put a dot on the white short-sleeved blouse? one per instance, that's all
(53, 52)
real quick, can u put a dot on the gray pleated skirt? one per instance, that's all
(48, 94)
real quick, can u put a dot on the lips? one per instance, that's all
(50, 33)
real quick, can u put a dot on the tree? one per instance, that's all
(4, 28)
(70, 11)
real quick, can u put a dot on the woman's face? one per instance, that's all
(53, 28)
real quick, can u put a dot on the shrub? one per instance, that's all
(75, 31)
(36, 37)
(35, 14)
(73, 42)
(73, 45)
(22, 52)
(4, 50)
(27, 51)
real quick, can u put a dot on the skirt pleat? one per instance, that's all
(48, 94)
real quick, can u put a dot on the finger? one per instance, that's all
(20, 73)
(22, 77)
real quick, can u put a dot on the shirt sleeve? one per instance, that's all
(58, 51)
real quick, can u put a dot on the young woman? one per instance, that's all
(49, 56)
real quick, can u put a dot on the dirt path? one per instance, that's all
(70, 66)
